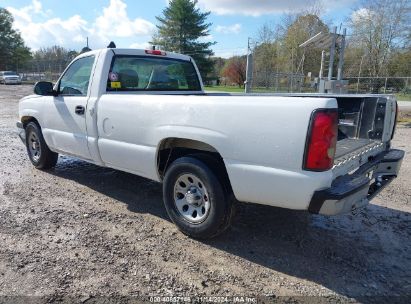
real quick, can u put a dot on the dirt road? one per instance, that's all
(83, 231)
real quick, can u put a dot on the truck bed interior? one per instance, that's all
(351, 145)
(361, 124)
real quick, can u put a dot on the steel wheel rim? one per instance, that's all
(34, 146)
(191, 198)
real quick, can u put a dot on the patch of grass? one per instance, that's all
(226, 89)
(404, 117)
(403, 97)
(404, 120)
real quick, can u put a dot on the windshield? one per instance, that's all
(10, 74)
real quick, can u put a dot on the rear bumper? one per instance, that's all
(12, 81)
(353, 191)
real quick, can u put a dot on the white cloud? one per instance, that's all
(361, 14)
(262, 7)
(230, 29)
(37, 6)
(116, 22)
(113, 23)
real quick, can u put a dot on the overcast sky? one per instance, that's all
(131, 23)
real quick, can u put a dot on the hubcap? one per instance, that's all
(191, 198)
(34, 146)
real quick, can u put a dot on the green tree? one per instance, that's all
(52, 59)
(268, 54)
(278, 48)
(218, 64)
(180, 29)
(235, 70)
(400, 63)
(301, 29)
(13, 53)
(379, 28)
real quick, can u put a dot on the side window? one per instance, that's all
(76, 79)
(139, 73)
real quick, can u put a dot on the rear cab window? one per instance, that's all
(146, 73)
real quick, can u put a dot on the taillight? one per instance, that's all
(321, 140)
(156, 52)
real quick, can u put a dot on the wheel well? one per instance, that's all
(27, 119)
(171, 149)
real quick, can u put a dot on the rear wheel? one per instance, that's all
(196, 199)
(39, 153)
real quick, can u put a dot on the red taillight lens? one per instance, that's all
(156, 52)
(322, 140)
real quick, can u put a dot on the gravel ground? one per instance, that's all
(86, 232)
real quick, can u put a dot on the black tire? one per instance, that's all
(45, 158)
(221, 206)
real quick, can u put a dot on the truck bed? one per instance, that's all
(354, 146)
(351, 150)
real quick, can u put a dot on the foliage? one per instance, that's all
(378, 44)
(217, 64)
(300, 30)
(180, 29)
(268, 52)
(378, 29)
(235, 70)
(400, 63)
(52, 59)
(278, 50)
(13, 53)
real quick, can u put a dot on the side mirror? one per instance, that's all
(44, 88)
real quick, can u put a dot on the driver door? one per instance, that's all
(66, 114)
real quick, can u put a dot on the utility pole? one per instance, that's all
(249, 69)
(332, 53)
(320, 75)
(341, 60)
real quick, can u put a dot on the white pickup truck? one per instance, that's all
(146, 112)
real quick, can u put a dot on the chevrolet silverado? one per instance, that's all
(146, 112)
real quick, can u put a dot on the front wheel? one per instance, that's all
(39, 153)
(196, 199)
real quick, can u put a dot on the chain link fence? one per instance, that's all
(298, 83)
(281, 82)
(384, 85)
(43, 70)
(263, 79)
(268, 75)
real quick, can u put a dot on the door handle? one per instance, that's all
(80, 110)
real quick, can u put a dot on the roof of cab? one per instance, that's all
(141, 52)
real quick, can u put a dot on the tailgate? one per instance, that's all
(365, 129)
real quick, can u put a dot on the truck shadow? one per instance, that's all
(357, 256)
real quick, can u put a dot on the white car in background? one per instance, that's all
(9, 77)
